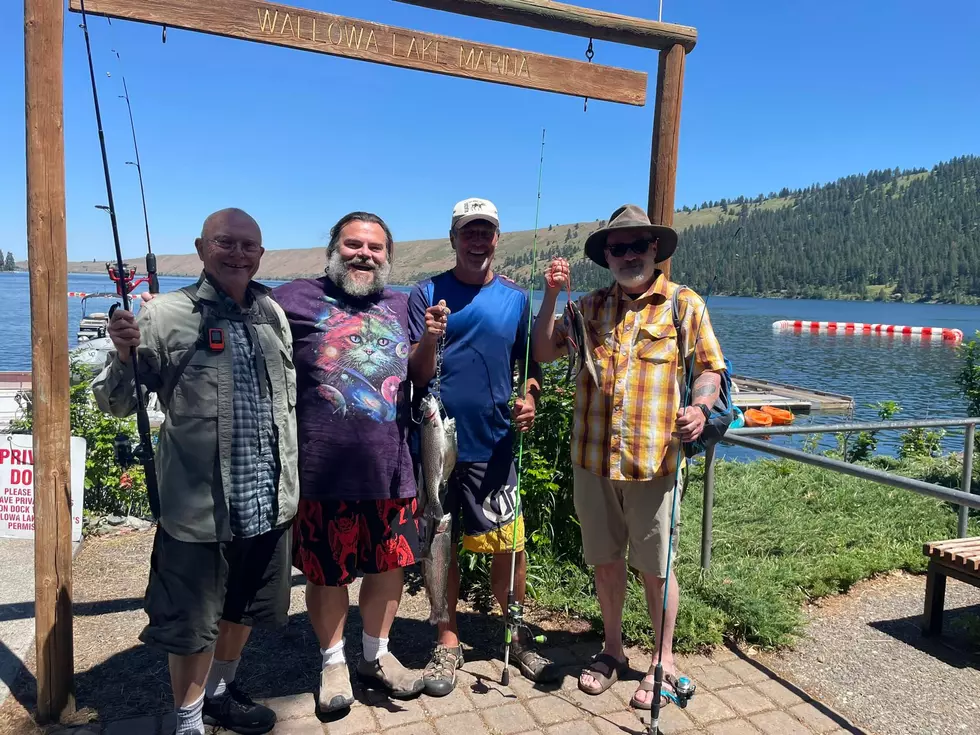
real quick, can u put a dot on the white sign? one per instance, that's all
(17, 485)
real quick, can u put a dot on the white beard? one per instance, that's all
(339, 272)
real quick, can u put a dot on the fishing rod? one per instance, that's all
(684, 688)
(151, 259)
(126, 453)
(514, 614)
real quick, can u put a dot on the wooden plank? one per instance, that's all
(936, 548)
(573, 20)
(47, 258)
(336, 35)
(666, 138)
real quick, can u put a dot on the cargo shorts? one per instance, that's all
(626, 517)
(193, 586)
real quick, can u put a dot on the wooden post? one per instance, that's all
(47, 258)
(666, 136)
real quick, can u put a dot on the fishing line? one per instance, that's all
(658, 674)
(125, 453)
(514, 612)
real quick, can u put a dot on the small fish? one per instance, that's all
(439, 450)
(579, 343)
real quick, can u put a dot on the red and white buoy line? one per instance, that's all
(936, 334)
(80, 294)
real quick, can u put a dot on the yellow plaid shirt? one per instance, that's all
(623, 428)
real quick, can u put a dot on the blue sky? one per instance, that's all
(779, 93)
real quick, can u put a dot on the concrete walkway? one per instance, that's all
(735, 697)
(16, 608)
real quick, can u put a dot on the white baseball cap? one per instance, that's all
(472, 209)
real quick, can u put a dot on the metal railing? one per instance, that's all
(742, 438)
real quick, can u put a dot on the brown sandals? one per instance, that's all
(647, 686)
(606, 670)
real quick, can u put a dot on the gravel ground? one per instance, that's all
(118, 677)
(864, 657)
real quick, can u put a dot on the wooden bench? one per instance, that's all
(956, 558)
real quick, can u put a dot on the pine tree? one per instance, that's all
(9, 264)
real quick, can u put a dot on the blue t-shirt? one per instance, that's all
(485, 337)
(352, 410)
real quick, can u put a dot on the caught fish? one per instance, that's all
(579, 343)
(439, 451)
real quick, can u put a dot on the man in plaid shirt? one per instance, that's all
(628, 428)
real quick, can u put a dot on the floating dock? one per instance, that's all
(755, 393)
(934, 334)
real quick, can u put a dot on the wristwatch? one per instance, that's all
(705, 411)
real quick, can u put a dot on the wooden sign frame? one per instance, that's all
(310, 30)
(44, 28)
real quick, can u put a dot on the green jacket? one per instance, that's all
(193, 455)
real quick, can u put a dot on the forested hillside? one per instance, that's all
(887, 234)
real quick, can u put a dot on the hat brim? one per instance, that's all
(467, 218)
(666, 242)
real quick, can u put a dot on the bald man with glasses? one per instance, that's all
(218, 354)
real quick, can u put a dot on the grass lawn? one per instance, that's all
(783, 533)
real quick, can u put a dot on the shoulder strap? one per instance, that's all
(167, 390)
(675, 312)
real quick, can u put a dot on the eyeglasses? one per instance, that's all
(637, 246)
(227, 244)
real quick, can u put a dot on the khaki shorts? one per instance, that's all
(617, 514)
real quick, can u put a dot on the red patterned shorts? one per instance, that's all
(333, 540)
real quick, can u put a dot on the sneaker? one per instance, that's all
(440, 673)
(234, 710)
(532, 664)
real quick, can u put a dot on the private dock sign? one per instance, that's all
(17, 486)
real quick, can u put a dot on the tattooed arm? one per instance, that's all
(706, 388)
(690, 421)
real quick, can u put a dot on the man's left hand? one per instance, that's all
(524, 412)
(690, 423)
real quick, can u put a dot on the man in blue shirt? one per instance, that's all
(485, 319)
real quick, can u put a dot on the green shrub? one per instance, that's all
(109, 488)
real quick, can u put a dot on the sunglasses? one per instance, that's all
(637, 246)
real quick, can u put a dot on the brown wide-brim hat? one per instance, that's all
(631, 217)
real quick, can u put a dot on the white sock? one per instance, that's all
(334, 655)
(221, 675)
(374, 648)
(189, 720)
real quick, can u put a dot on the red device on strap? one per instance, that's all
(216, 339)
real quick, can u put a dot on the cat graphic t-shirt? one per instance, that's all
(352, 396)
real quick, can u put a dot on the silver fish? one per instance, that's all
(579, 343)
(439, 452)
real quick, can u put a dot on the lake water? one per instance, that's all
(919, 375)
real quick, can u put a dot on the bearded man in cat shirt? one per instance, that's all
(357, 487)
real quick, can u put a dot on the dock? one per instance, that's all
(11, 385)
(756, 392)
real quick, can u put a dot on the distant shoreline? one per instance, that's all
(972, 301)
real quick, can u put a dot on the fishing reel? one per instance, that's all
(515, 624)
(684, 692)
(128, 452)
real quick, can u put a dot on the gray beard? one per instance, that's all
(339, 273)
(635, 279)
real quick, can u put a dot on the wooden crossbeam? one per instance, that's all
(572, 19)
(324, 33)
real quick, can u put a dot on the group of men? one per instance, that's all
(289, 441)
